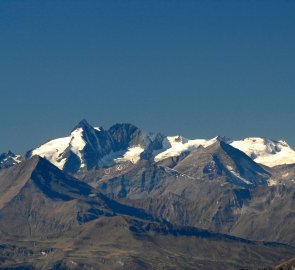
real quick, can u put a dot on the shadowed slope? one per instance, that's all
(37, 198)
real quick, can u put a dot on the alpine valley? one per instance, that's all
(122, 198)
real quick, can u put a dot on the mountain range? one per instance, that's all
(122, 198)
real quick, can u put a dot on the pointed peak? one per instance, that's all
(10, 153)
(7, 154)
(125, 135)
(82, 124)
(219, 143)
(222, 139)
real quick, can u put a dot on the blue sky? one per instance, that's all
(198, 68)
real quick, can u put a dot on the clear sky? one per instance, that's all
(196, 68)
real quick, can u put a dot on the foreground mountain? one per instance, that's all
(50, 220)
(269, 215)
(37, 199)
(122, 243)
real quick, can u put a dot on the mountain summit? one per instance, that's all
(88, 147)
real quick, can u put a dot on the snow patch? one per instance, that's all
(234, 173)
(175, 145)
(272, 182)
(132, 154)
(53, 150)
(77, 143)
(267, 152)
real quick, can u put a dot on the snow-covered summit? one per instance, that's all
(261, 150)
(93, 147)
(265, 151)
(88, 147)
(54, 150)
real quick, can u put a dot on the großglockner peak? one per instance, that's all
(88, 147)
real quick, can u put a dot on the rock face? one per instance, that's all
(269, 215)
(125, 135)
(82, 149)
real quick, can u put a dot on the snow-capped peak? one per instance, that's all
(175, 145)
(265, 151)
(261, 150)
(54, 150)
(93, 147)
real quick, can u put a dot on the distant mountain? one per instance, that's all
(265, 151)
(88, 147)
(9, 159)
